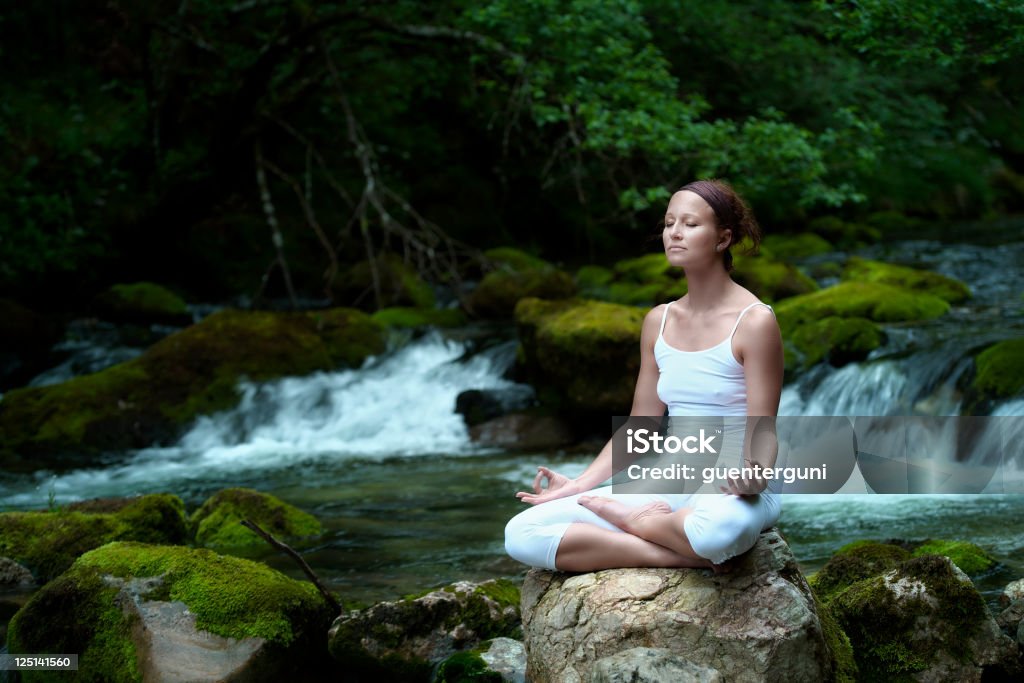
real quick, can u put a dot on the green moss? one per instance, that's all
(794, 247)
(217, 522)
(646, 269)
(970, 558)
(855, 562)
(195, 371)
(874, 301)
(500, 289)
(502, 591)
(592, 277)
(583, 351)
(844, 666)
(141, 302)
(229, 596)
(895, 637)
(49, 542)
(466, 667)
(770, 280)
(77, 613)
(397, 316)
(912, 279)
(836, 340)
(1000, 370)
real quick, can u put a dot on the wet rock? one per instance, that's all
(13, 575)
(175, 614)
(924, 620)
(494, 661)
(581, 355)
(769, 279)
(1010, 618)
(1014, 591)
(405, 639)
(47, 543)
(481, 405)
(522, 431)
(152, 398)
(651, 665)
(217, 523)
(757, 623)
(911, 279)
(1000, 372)
(516, 275)
(506, 657)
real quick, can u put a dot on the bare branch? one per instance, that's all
(275, 230)
(331, 600)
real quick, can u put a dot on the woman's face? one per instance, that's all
(691, 234)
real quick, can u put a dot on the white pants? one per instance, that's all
(719, 527)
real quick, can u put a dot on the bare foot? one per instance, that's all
(629, 519)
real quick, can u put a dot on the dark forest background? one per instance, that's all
(220, 147)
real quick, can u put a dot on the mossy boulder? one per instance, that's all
(836, 340)
(152, 398)
(408, 317)
(910, 279)
(493, 661)
(874, 301)
(516, 275)
(134, 611)
(970, 558)
(47, 543)
(399, 283)
(922, 620)
(854, 562)
(642, 281)
(405, 639)
(584, 354)
(1000, 370)
(217, 523)
(143, 303)
(791, 248)
(770, 280)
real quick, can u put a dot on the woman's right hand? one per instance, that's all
(559, 486)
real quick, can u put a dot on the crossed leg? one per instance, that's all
(659, 529)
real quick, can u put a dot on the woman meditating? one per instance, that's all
(715, 352)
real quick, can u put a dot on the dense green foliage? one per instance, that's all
(194, 144)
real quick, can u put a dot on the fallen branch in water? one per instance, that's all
(298, 558)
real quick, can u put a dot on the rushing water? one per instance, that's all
(409, 502)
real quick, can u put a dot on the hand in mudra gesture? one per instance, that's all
(559, 486)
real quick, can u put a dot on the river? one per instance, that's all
(408, 502)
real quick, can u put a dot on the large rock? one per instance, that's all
(581, 355)
(651, 665)
(152, 398)
(500, 660)
(769, 279)
(398, 281)
(133, 611)
(757, 623)
(910, 279)
(516, 275)
(404, 640)
(913, 614)
(1014, 591)
(217, 522)
(1000, 372)
(47, 543)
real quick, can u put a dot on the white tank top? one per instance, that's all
(708, 382)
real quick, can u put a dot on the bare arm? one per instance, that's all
(645, 402)
(758, 343)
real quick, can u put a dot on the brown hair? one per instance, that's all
(731, 212)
